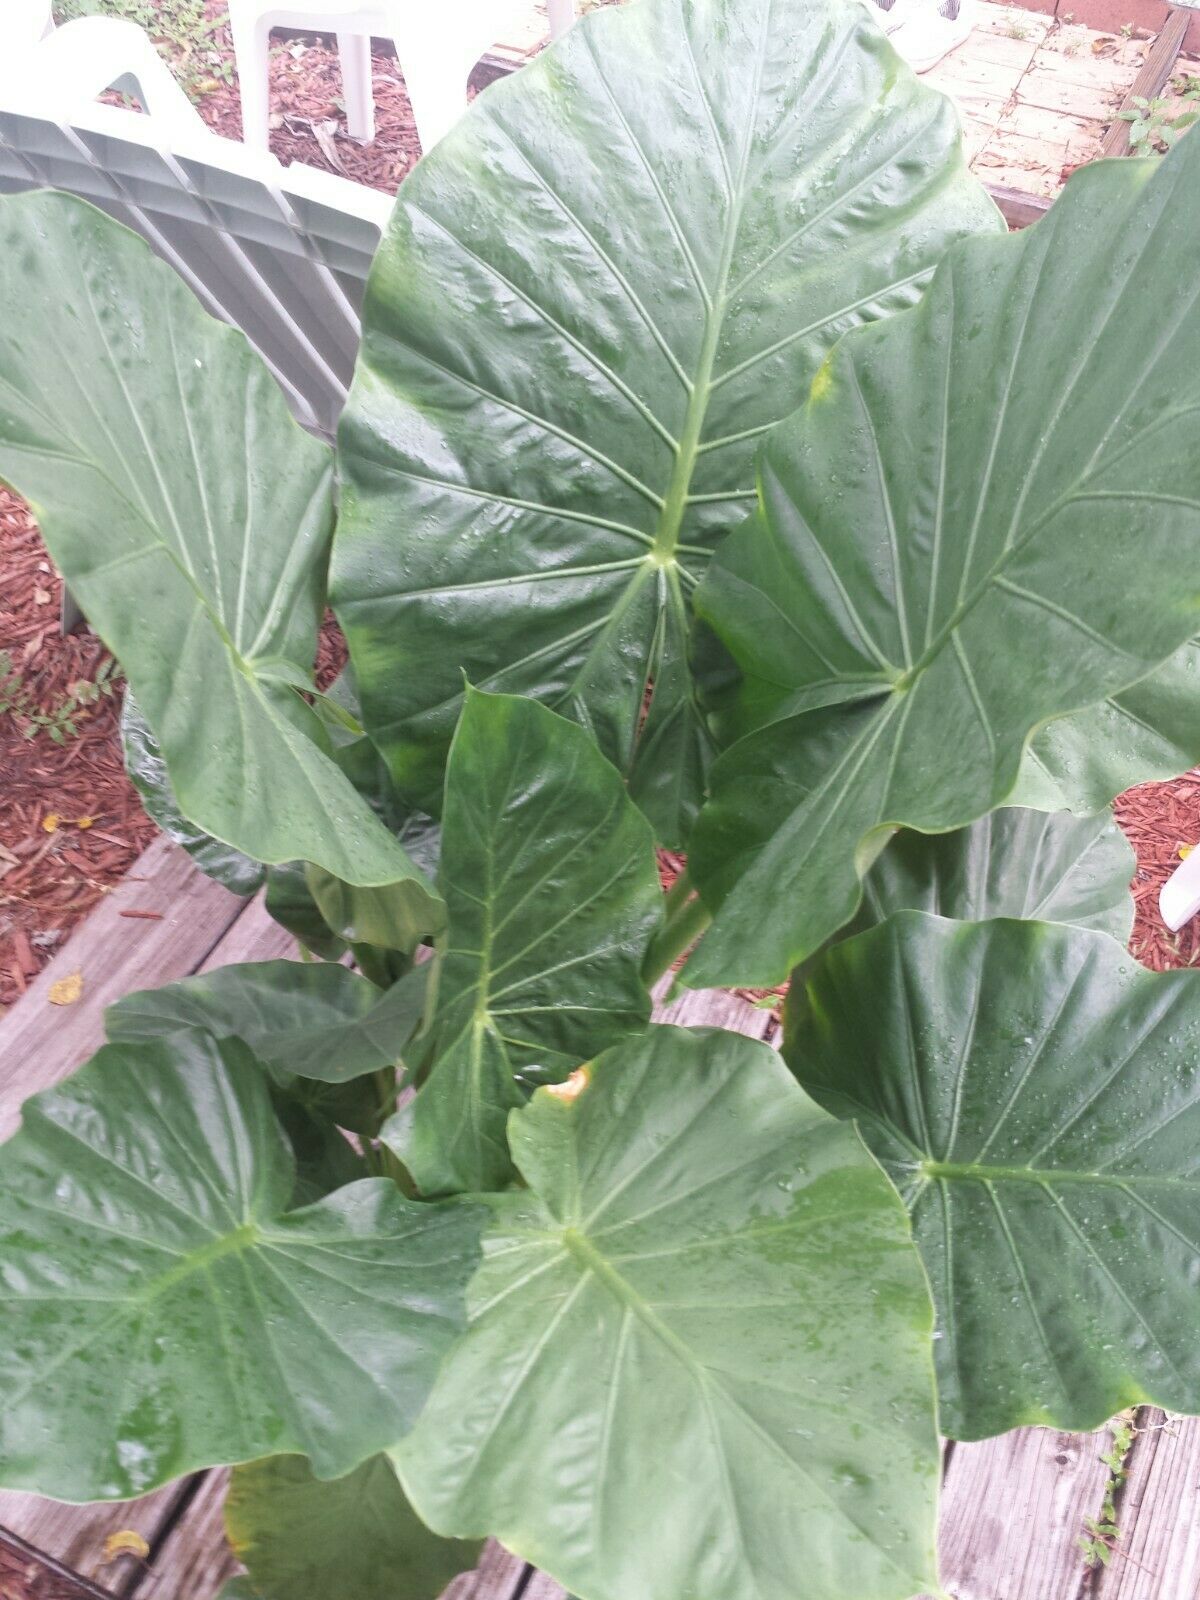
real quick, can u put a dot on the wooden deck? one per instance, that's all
(1012, 1507)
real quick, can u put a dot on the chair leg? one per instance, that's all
(354, 53)
(251, 47)
(437, 93)
(561, 14)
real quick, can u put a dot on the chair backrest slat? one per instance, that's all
(281, 253)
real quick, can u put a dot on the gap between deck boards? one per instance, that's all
(1012, 1508)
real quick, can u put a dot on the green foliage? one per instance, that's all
(661, 1324)
(1045, 1138)
(944, 601)
(1152, 131)
(568, 362)
(1099, 1543)
(357, 1537)
(660, 1295)
(62, 721)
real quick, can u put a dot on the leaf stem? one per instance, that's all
(686, 917)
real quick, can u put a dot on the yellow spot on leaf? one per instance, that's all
(1185, 851)
(51, 821)
(65, 991)
(820, 384)
(573, 1087)
(125, 1543)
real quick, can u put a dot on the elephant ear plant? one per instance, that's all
(717, 474)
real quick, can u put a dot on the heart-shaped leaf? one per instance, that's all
(548, 871)
(299, 1019)
(357, 1537)
(974, 525)
(163, 1310)
(1035, 1096)
(191, 517)
(595, 295)
(698, 1358)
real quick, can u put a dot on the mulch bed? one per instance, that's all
(308, 122)
(70, 821)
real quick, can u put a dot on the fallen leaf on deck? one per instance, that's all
(65, 991)
(125, 1543)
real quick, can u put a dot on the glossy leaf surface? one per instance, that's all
(974, 525)
(595, 295)
(191, 517)
(320, 1022)
(1144, 734)
(163, 1311)
(548, 871)
(1046, 867)
(148, 772)
(698, 1358)
(1035, 1096)
(356, 1537)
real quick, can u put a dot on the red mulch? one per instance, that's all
(49, 880)
(1160, 819)
(308, 122)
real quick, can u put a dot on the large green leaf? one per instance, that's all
(191, 517)
(549, 874)
(620, 268)
(148, 772)
(1147, 732)
(698, 1359)
(1012, 863)
(299, 1019)
(974, 525)
(357, 1537)
(1036, 1098)
(163, 1313)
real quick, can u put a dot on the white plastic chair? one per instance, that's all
(23, 22)
(281, 253)
(437, 45)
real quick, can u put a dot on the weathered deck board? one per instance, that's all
(75, 1535)
(113, 954)
(1012, 1510)
(190, 1560)
(1158, 1514)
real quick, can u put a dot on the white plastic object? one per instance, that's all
(23, 22)
(930, 30)
(895, 17)
(61, 74)
(1179, 897)
(436, 46)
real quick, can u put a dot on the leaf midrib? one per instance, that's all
(1045, 1177)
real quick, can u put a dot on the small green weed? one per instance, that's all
(1152, 131)
(179, 27)
(1098, 1544)
(61, 721)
